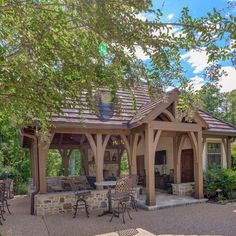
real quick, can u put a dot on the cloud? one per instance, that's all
(170, 31)
(228, 82)
(198, 59)
(197, 82)
(141, 17)
(140, 54)
(170, 16)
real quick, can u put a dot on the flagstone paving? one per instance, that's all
(200, 219)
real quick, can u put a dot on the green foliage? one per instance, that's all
(233, 155)
(49, 51)
(230, 107)
(211, 99)
(78, 161)
(54, 164)
(14, 161)
(124, 165)
(219, 178)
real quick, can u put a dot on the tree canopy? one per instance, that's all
(49, 51)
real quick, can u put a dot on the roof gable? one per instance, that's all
(152, 109)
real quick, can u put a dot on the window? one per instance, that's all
(104, 102)
(160, 157)
(214, 154)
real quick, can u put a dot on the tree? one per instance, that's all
(14, 161)
(49, 51)
(211, 99)
(231, 107)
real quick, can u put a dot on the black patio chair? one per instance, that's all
(8, 183)
(3, 198)
(1, 215)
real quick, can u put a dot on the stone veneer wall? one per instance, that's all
(183, 189)
(112, 169)
(54, 203)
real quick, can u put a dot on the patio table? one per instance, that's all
(107, 184)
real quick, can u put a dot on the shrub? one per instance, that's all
(233, 155)
(219, 178)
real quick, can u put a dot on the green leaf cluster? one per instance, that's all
(219, 178)
(49, 51)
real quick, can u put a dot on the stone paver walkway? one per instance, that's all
(165, 200)
(199, 219)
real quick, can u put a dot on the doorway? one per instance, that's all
(187, 166)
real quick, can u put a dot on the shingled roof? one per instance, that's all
(216, 125)
(128, 117)
(86, 116)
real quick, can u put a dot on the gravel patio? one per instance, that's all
(199, 219)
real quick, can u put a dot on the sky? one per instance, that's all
(195, 62)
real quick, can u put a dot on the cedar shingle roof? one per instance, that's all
(126, 110)
(216, 125)
(128, 116)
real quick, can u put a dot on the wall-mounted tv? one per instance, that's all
(160, 157)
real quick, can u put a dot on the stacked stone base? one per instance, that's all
(55, 203)
(183, 189)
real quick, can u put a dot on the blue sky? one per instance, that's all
(195, 62)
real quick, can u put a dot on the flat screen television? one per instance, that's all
(160, 157)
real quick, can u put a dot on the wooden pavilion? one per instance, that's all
(152, 121)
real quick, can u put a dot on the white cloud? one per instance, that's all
(228, 82)
(169, 88)
(197, 59)
(140, 54)
(197, 82)
(170, 16)
(141, 17)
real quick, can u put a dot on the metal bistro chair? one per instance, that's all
(122, 197)
(8, 183)
(1, 215)
(81, 196)
(3, 198)
(133, 190)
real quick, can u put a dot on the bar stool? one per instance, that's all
(81, 201)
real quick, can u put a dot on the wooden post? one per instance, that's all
(33, 155)
(127, 144)
(84, 157)
(198, 170)
(43, 148)
(98, 148)
(178, 145)
(43, 153)
(176, 161)
(36, 168)
(99, 158)
(150, 147)
(134, 145)
(228, 153)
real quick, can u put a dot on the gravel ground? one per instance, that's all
(198, 219)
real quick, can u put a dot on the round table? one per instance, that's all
(108, 184)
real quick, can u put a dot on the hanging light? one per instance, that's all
(117, 141)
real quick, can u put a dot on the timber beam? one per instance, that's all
(175, 126)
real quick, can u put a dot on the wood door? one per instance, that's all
(187, 166)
